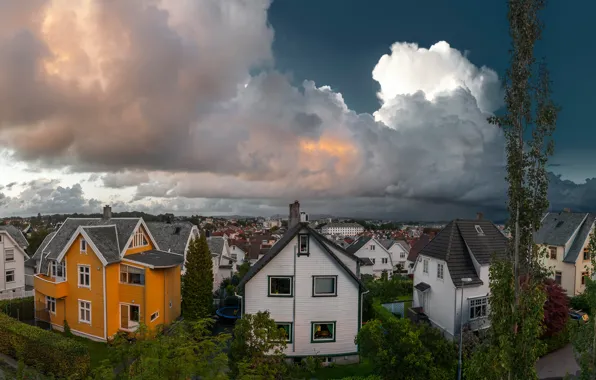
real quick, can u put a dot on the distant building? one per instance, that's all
(12, 259)
(344, 229)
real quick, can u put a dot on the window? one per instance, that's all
(83, 246)
(478, 308)
(373, 260)
(135, 313)
(584, 275)
(402, 255)
(51, 304)
(372, 247)
(154, 316)
(440, 271)
(303, 244)
(287, 326)
(479, 230)
(10, 275)
(58, 269)
(84, 276)
(552, 253)
(280, 286)
(384, 260)
(425, 266)
(324, 286)
(586, 254)
(132, 275)
(9, 255)
(138, 239)
(323, 332)
(558, 277)
(234, 256)
(84, 312)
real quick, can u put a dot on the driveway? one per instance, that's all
(557, 364)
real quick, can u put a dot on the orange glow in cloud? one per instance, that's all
(330, 146)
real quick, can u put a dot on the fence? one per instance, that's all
(17, 294)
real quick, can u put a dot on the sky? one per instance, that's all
(364, 109)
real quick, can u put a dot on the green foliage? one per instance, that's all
(311, 364)
(380, 313)
(559, 340)
(67, 331)
(43, 350)
(197, 285)
(581, 302)
(35, 240)
(257, 349)
(243, 270)
(389, 290)
(21, 308)
(186, 350)
(398, 347)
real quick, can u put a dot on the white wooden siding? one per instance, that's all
(342, 309)
(18, 265)
(378, 253)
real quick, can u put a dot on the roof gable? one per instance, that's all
(173, 237)
(580, 239)
(359, 243)
(16, 235)
(558, 228)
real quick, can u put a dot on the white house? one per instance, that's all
(565, 236)
(12, 259)
(369, 248)
(399, 250)
(237, 252)
(311, 287)
(414, 251)
(343, 229)
(224, 266)
(462, 250)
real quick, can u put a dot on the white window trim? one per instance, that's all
(425, 266)
(81, 309)
(55, 264)
(485, 298)
(156, 314)
(129, 321)
(314, 291)
(441, 271)
(79, 276)
(6, 253)
(14, 277)
(138, 239)
(300, 237)
(50, 300)
(291, 294)
(82, 243)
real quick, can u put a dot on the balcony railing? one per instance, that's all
(52, 287)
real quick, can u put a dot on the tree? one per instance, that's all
(243, 270)
(517, 293)
(556, 308)
(197, 284)
(186, 350)
(395, 346)
(35, 240)
(257, 349)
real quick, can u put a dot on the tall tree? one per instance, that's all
(517, 294)
(197, 284)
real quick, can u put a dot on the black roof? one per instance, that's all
(558, 228)
(459, 241)
(359, 243)
(580, 239)
(422, 286)
(171, 237)
(157, 259)
(286, 239)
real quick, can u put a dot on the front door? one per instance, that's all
(124, 317)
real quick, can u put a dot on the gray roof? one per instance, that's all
(16, 234)
(216, 244)
(365, 261)
(404, 244)
(286, 239)
(42, 246)
(124, 227)
(422, 286)
(459, 241)
(387, 243)
(171, 237)
(157, 259)
(558, 228)
(417, 247)
(105, 239)
(580, 239)
(357, 244)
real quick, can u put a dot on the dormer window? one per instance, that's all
(138, 239)
(479, 230)
(83, 245)
(303, 248)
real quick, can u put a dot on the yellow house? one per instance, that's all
(105, 275)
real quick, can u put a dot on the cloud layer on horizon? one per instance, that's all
(180, 100)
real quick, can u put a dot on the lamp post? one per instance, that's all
(461, 325)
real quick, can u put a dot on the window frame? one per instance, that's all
(314, 279)
(138, 239)
(586, 252)
(128, 275)
(51, 301)
(372, 247)
(269, 294)
(291, 328)
(482, 301)
(384, 260)
(312, 331)
(81, 308)
(154, 316)
(552, 249)
(584, 275)
(79, 273)
(373, 260)
(6, 253)
(425, 265)
(54, 269)
(402, 255)
(14, 277)
(441, 271)
(479, 230)
(300, 251)
(83, 245)
(560, 274)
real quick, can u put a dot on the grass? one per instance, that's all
(407, 304)
(341, 371)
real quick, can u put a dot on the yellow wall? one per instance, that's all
(154, 294)
(148, 247)
(113, 298)
(172, 293)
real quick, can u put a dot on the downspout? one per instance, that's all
(241, 303)
(294, 303)
(455, 308)
(164, 296)
(362, 307)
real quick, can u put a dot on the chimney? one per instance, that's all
(107, 212)
(566, 210)
(479, 216)
(294, 218)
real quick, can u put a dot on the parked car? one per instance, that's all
(578, 315)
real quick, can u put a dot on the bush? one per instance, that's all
(580, 302)
(559, 340)
(21, 308)
(43, 350)
(380, 313)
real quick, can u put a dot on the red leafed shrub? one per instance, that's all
(556, 308)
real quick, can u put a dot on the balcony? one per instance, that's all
(49, 286)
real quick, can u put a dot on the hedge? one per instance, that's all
(22, 309)
(381, 313)
(43, 350)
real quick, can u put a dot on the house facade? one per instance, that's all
(12, 259)
(224, 266)
(371, 249)
(311, 288)
(414, 251)
(399, 250)
(564, 238)
(456, 263)
(106, 275)
(342, 229)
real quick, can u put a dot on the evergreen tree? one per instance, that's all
(517, 294)
(197, 284)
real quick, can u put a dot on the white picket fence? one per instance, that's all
(16, 294)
